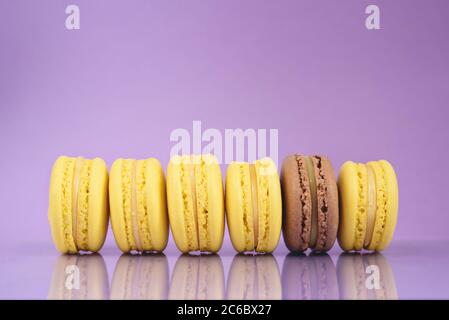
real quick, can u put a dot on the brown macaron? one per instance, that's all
(310, 203)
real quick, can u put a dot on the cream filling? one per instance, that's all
(194, 204)
(134, 210)
(371, 206)
(75, 191)
(313, 193)
(254, 199)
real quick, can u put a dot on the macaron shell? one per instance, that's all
(348, 200)
(215, 208)
(157, 219)
(392, 204)
(177, 216)
(116, 204)
(269, 205)
(239, 207)
(63, 243)
(98, 215)
(297, 204)
(332, 214)
(291, 205)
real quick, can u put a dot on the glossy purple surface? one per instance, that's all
(137, 70)
(406, 271)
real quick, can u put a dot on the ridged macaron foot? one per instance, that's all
(195, 202)
(368, 205)
(254, 205)
(310, 203)
(138, 205)
(78, 204)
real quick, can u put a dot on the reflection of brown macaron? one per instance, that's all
(309, 277)
(310, 203)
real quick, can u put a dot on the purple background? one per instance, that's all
(137, 70)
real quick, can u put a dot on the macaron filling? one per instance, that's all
(134, 210)
(75, 187)
(313, 192)
(193, 195)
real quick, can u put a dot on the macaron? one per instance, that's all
(138, 205)
(78, 204)
(254, 205)
(195, 202)
(368, 205)
(310, 203)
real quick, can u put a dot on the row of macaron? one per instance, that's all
(306, 202)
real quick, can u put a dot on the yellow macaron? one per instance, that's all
(368, 196)
(254, 205)
(78, 204)
(138, 205)
(195, 202)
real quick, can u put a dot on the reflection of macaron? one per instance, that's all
(79, 277)
(254, 277)
(365, 277)
(309, 277)
(140, 277)
(197, 277)
(253, 205)
(138, 205)
(368, 205)
(195, 202)
(78, 204)
(310, 203)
